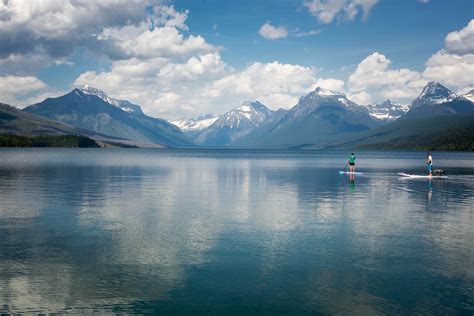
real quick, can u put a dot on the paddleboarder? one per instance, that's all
(429, 161)
(352, 160)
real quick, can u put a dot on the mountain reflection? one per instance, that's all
(147, 230)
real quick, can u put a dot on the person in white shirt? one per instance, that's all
(429, 161)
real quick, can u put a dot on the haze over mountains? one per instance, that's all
(320, 119)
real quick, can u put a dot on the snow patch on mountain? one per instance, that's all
(197, 124)
(387, 111)
(255, 112)
(122, 104)
(434, 93)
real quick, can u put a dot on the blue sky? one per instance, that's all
(407, 31)
(209, 55)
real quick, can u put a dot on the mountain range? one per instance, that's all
(388, 111)
(232, 125)
(320, 119)
(324, 118)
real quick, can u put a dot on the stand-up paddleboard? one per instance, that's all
(417, 176)
(348, 172)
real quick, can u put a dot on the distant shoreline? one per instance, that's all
(59, 141)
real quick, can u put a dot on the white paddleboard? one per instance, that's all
(420, 176)
(348, 172)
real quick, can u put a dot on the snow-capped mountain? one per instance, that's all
(232, 125)
(387, 111)
(249, 112)
(326, 101)
(200, 123)
(437, 100)
(433, 93)
(319, 96)
(91, 112)
(317, 117)
(123, 104)
(469, 96)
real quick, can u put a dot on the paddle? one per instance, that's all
(347, 164)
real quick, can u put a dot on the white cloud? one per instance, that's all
(205, 84)
(373, 77)
(361, 97)
(375, 80)
(330, 84)
(454, 65)
(207, 66)
(138, 41)
(171, 74)
(325, 11)
(465, 90)
(454, 70)
(162, 86)
(309, 33)
(461, 42)
(269, 31)
(20, 85)
(15, 88)
(423, 1)
(264, 80)
(54, 29)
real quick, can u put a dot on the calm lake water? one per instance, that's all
(276, 232)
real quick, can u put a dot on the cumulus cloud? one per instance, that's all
(162, 86)
(373, 79)
(205, 84)
(265, 81)
(13, 88)
(361, 97)
(271, 32)
(325, 11)
(454, 65)
(152, 62)
(451, 69)
(138, 41)
(461, 42)
(52, 30)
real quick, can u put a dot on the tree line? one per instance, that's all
(76, 141)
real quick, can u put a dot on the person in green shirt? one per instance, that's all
(352, 160)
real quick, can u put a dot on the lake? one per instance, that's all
(229, 231)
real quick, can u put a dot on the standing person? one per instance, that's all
(352, 160)
(429, 161)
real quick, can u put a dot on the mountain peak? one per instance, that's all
(387, 111)
(434, 93)
(90, 90)
(247, 106)
(122, 104)
(98, 93)
(325, 92)
(196, 124)
(320, 95)
(387, 102)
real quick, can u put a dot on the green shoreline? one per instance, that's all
(68, 141)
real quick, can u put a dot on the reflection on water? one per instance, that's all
(239, 231)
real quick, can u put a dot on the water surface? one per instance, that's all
(277, 232)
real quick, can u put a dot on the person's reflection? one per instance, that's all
(351, 182)
(430, 190)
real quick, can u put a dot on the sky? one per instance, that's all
(189, 58)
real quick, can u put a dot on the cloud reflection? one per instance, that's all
(117, 233)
